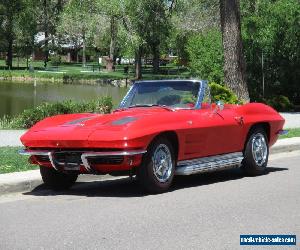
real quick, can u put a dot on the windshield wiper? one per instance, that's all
(151, 105)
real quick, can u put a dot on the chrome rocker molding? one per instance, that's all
(211, 163)
(84, 156)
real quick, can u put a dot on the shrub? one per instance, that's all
(5, 122)
(221, 93)
(29, 117)
(5, 74)
(55, 60)
(280, 103)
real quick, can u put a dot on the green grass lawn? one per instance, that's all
(293, 132)
(11, 161)
(75, 71)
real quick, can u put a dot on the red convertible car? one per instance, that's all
(161, 129)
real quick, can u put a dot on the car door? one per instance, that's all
(213, 132)
(224, 132)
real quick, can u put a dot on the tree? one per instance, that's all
(78, 24)
(47, 18)
(25, 31)
(192, 21)
(206, 55)
(234, 63)
(194, 16)
(150, 22)
(112, 9)
(9, 13)
(271, 36)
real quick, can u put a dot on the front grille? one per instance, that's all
(42, 158)
(74, 157)
(107, 160)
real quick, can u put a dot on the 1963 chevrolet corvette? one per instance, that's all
(161, 129)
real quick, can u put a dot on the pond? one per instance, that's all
(17, 96)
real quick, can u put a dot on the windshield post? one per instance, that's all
(201, 94)
(127, 97)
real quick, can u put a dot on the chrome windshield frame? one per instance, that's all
(198, 104)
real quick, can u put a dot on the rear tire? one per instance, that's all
(57, 180)
(157, 170)
(256, 152)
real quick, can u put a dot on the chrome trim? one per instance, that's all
(211, 163)
(162, 163)
(33, 152)
(201, 92)
(259, 149)
(127, 96)
(50, 155)
(84, 155)
(87, 166)
(38, 152)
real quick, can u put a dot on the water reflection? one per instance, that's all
(16, 96)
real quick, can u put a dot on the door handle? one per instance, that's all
(239, 119)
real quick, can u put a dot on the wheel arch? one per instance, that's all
(264, 125)
(173, 138)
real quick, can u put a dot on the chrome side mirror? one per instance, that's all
(220, 105)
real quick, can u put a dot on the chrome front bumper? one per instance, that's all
(84, 156)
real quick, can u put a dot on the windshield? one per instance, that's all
(174, 94)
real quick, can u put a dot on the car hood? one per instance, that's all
(75, 130)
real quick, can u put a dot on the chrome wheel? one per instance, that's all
(259, 149)
(162, 163)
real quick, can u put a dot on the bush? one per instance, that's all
(30, 117)
(55, 60)
(280, 103)
(221, 93)
(217, 93)
(5, 122)
(5, 74)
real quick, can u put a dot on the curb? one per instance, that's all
(19, 182)
(286, 145)
(26, 181)
(29, 180)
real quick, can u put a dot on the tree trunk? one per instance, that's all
(113, 36)
(9, 59)
(27, 62)
(83, 50)
(138, 63)
(234, 62)
(77, 55)
(155, 62)
(46, 49)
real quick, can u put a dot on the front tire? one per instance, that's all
(157, 170)
(57, 180)
(256, 152)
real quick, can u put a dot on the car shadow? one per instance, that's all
(128, 187)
